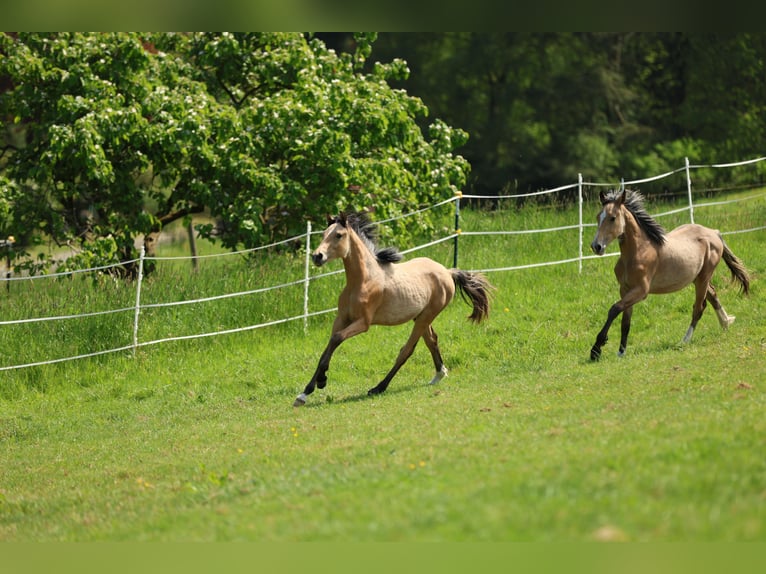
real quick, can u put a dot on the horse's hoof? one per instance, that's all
(373, 391)
(439, 376)
(300, 400)
(595, 354)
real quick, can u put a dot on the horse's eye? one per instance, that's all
(338, 235)
(613, 219)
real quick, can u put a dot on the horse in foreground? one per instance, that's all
(654, 261)
(381, 291)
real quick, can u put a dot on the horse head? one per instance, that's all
(335, 241)
(611, 222)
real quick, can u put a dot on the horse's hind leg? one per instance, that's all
(701, 292)
(432, 342)
(723, 318)
(404, 354)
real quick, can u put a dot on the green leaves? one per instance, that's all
(263, 130)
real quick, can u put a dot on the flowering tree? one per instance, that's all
(111, 136)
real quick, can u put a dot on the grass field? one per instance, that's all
(525, 440)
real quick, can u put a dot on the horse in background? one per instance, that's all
(382, 290)
(653, 261)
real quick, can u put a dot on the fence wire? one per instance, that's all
(307, 278)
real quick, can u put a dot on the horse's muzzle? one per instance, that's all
(598, 248)
(318, 259)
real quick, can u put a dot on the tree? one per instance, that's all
(543, 107)
(726, 102)
(534, 104)
(124, 133)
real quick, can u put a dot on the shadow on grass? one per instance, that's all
(330, 400)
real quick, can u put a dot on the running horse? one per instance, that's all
(382, 291)
(653, 261)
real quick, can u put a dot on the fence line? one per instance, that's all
(308, 278)
(67, 273)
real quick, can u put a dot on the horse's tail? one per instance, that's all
(475, 289)
(737, 268)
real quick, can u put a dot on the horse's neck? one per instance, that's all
(633, 238)
(359, 263)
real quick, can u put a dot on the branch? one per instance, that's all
(237, 102)
(178, 214)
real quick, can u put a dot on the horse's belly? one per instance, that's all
(401, 305)
(681, 260)
(415, 286)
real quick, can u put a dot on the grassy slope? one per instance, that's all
(525, 440)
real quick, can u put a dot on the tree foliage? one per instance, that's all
(111, 136)
(542, 108)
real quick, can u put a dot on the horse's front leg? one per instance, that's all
(625, 305)
(625, 330)
(319, 379)
(602, 337)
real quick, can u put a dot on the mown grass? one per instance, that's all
(525, 440)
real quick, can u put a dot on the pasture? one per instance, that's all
(525, 440)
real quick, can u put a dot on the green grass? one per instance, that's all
(525, 440)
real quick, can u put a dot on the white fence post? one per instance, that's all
(689, 191)
(306, 279)
(138, 299)
(458, 195)
(579, 193)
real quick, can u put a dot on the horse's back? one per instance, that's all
(692, 239)
(414, 286)
(694, 231)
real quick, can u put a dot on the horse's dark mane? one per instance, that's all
(367, 230)
(634, 202)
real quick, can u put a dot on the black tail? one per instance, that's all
(737, 268)
(474, 289)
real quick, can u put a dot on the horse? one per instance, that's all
(653, 261)
(382, 290)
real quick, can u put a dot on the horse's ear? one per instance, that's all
(330, 220)
(342, 218)
(623, 196)
(602, 197)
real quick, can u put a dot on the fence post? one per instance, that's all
(192, 246)
(306, 280)
(8, 244)
(579, 191)
(689, 191)
(458, 195)
(138, 299)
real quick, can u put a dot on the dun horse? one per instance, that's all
(381, 291)
(653, 261)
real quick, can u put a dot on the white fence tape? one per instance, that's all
(307, 278)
